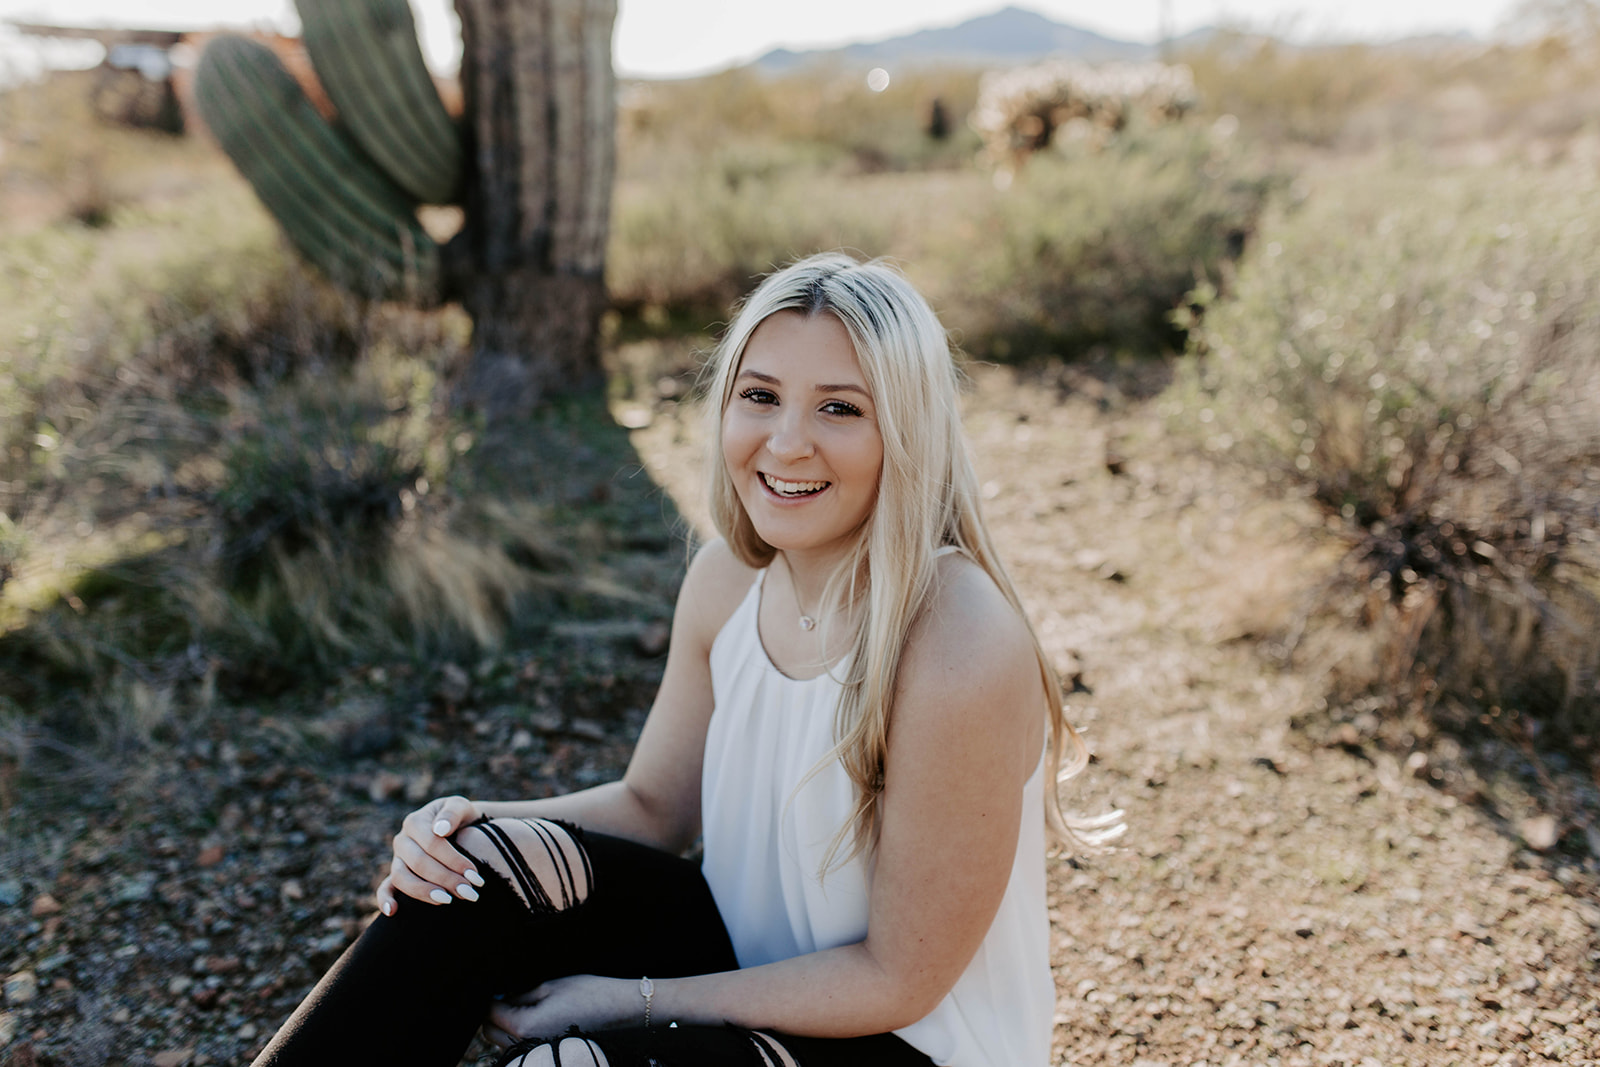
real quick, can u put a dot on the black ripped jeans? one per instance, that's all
(414, 987)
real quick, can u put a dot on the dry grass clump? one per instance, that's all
(1415, 349)
(218, 472)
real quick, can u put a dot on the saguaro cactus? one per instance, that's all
(531, 162)
(342, 212)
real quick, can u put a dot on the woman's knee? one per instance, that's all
(563, 1052)
(544, 862)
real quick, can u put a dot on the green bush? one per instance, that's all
(1084, 248)
(1096, 248)
(1417, 349)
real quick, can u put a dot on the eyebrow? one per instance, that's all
(825, 387)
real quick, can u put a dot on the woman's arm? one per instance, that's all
(967, 733)
(656, 802)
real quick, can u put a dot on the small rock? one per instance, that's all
(419, 786)
(1088, 559)
(210, 856)
(10, 893)
(1346, 736)
(1303, 928)
(204, 998)
(44, 905)
(247, 1032)
(454, 685)
(1417, 764)
(179, 985)
(654, 638)
(587, 729)
(121, 1016)
(291, 890)
(386, 785)
(546, 722)
(364, 727)
(8, 1028)
(521, 741)
(1270, 764)
(329, 943)
(135, 889)
(1540, 832)
(221, 964)
(176, 1057)
(21, 987)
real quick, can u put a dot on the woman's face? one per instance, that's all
(800, 435)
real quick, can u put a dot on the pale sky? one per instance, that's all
(671, 37)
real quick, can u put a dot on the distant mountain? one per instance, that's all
(1012, 35)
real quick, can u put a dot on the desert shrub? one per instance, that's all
(703, 241)
(1416, 349)
(1097, 247)
(217, 470)
(1084, 248)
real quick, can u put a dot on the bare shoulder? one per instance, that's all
(712, 589)
(970, 660)
(968, 620)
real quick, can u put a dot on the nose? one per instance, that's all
(790, 440)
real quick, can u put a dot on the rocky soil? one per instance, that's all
(1296, 886)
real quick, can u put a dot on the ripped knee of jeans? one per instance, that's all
(772, 1053)
(542, 860)
(559, 1052)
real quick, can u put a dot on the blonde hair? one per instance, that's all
(927, 498)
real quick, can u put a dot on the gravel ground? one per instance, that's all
(1290, 890)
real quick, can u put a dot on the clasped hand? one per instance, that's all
(586, 1001)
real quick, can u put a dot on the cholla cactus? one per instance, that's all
(1020, 110)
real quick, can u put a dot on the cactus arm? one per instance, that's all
(367, 57)
(333, 203)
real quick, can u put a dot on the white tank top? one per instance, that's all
(764, 844)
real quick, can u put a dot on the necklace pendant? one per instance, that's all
(807, 622)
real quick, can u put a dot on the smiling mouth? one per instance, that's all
(794, 490)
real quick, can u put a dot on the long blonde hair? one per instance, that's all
(927, 498)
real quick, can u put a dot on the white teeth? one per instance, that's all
(778, 485)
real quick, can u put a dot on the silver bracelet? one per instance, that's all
(647, 989)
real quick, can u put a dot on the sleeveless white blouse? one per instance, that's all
(764, 844)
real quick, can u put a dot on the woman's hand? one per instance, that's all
(586, 1001)
(426, 866)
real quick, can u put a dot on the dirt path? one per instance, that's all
(1274, 901)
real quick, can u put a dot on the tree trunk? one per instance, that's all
(529, 263)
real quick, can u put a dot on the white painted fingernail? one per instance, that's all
(439, 896)
(475, 878)
(387, 907)
(466, 892)
(442, 827)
